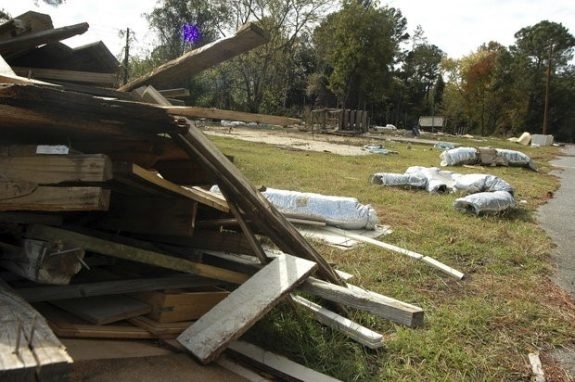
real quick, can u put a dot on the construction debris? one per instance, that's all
(104, 210)
(486, 156)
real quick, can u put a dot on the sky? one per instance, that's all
(458, 27)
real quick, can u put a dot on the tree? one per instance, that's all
(544, 50)
(358, 45)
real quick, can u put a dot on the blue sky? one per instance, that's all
(458, 27)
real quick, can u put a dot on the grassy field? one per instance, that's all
(477, 329)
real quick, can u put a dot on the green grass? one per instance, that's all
(478, 329)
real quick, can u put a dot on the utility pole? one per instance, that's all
(547, 85)
(126, 56)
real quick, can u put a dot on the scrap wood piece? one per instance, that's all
(102, 310)
(135, 175)
(57, 168)
(59, 199)
(426, 259)
(149, 94)
(536, 367)
(27, 22)
(166, 330)
(51, 293)
(42, 261)
(252, 203)
(127, 252)
(93, 78)
(174, 72)
(355, 331)
(32, 40)
(374, 303)
(277, 364)
(7, 75)
(232, 317)
(28, 348)
(69, 326)
(213, 113)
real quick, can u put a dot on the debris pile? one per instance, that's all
(108, 229)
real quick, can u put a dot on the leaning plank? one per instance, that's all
(29, 350)
(355, 331)
(175, 72)
(42, 261)
(175, 93)
(278, 365)
(149, 94)
(127, 252)
(213, 113)
(33, 40)
(93, 78)
(135, 175)
(50, 293)
(57, 168)
(228, 320)
(390, 247)
(60, 199)
(379, 305)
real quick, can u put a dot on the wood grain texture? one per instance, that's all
(60, 199)
(228, 320)
(102, 310)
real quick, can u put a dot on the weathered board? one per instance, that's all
(213, 113)
(102, 310)
(60, 199)
(175, 72)
(228, 320)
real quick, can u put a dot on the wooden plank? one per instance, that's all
(213, 113)
(101, 79)
(134, 175)
(32, 40)
(60, 199)
(41, 261)
(175, 72)
(28, 348)
(160, 329)
(51, 293)
(374, 303)
(18, 189)
(353, 330)
(127, 252)
(150, 95)
(7, 75)
(27, 22)
(279, 365)
(102, 310)
(181, 305)
(69, 326)
(390, 247)
(57, 168)
(228, 320)
(175, 93)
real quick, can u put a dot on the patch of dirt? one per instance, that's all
(294, 140)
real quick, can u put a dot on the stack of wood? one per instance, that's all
(108, 230)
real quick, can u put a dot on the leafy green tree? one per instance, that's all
(358, 45)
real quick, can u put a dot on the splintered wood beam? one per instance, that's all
(60, 199)
(33, 40)
(233, 316)
(127, 252)
(374, 303)
(175, 72)
(253, 204)
(213, 113)
(60, 292)
(29, 350)
(7, 75)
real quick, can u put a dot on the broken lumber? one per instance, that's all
(42, 261)
(32, 40)
(374, 303)
(232, 317)
(61, 292)
(174, 72)
(93, 78)
(127, 252)
(353, 330)
(29, 350)
(7, 75)
(102, 310)
(390, 247)
(213, 113)
(59, 199)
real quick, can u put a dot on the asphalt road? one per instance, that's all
(557, 217)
